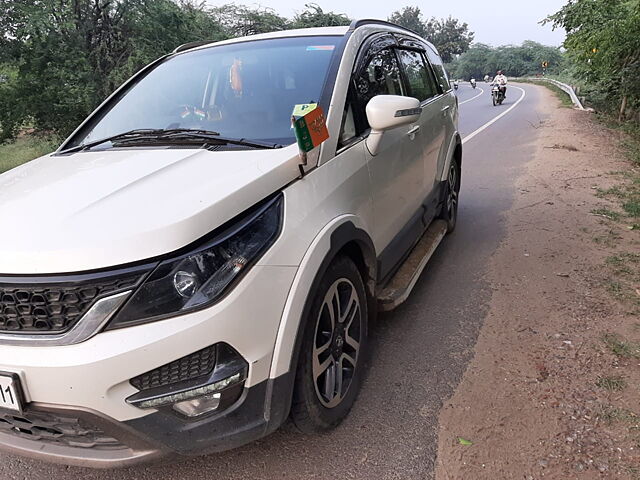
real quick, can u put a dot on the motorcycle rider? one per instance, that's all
(473, 82)
(501, 81)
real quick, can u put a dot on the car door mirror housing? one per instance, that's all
(386, 112)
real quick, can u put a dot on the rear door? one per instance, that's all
(447, 103)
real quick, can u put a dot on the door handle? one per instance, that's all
(413, 130)
(444, 109)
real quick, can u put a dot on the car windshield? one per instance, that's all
(244, 90)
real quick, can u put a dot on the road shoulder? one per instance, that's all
(551, 390)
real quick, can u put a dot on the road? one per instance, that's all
(419, 351)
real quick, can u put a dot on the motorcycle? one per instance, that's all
(497, 94)
(455, 85)
(473, 83)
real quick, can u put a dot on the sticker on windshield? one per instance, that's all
(315, 48)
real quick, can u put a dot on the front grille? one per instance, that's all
(47, 307)
(192, 366)
(57, 429)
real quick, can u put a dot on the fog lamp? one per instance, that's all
(198, 406)
(190, 394)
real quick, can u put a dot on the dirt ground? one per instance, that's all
(553, 390)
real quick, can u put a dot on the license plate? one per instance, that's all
(10, 392)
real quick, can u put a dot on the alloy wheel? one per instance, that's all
(336, 342)
(452, 191)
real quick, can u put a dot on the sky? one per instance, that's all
(518, 22)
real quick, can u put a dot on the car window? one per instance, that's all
(421, 84)
(348, 130)
(438, 67)
(379, 76)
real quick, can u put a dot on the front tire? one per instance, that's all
(493, 99)
(332, 358)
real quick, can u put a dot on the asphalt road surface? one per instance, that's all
(419, 351)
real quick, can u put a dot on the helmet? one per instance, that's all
(499, 72)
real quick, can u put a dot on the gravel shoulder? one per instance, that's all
(553, 388)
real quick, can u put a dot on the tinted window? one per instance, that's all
(243, 90)
(421, 83)
(381, 76)
(438, 67)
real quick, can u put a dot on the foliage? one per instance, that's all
(604, 46)
(514, 60)
(449, 36)
(411, 18)
(60, 58)
(239, 20)
(23, 149)
(314, 16)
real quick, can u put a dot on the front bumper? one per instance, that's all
(92, 380)
(89, 439)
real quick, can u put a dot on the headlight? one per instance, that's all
(197, 279)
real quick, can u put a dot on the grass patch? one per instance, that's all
(613, 384)
(613, 191)
(610, 239)
(621, 347)
(632, 207)
(631, 147)
(23, 149)
(611, 414)
(628, 193)
(605, 212)
(625, 263)
(616, 288)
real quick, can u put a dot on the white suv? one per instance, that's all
(178, 278)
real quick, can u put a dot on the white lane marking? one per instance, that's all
(495, 119)
(472, 98)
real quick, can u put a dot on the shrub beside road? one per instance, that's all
(23, 149)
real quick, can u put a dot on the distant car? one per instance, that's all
(177, 278)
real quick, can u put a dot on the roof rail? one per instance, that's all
(187, 46)
(372, 21)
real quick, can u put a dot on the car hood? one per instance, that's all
(92, 210)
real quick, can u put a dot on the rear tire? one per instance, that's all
(449, 211)
(332, 358)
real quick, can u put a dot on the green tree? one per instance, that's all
(448, 35)
(411, 18)
(69, 55)
(240, 20)
(475, 63)
(514, 60)
(604, 46)
(314, 16)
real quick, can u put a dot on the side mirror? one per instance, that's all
(386, 112)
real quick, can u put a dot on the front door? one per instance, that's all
(397, 170)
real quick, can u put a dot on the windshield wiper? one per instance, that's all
(137, 133)
(200, 136)
(173, 135)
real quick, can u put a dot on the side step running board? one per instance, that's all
(400, 286)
